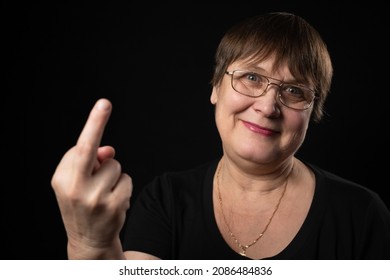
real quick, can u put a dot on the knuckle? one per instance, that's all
(84, 149)
(113, 165)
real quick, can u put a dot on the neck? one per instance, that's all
(244, 210)
(256, 182)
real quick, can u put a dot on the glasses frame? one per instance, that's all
(281, 83)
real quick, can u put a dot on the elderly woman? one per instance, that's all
(258, 200)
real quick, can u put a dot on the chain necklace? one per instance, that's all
(244, 248)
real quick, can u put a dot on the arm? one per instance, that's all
(134, 255)
(92, 192)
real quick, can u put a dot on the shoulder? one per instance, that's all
(342, 192)
(194, 175)
(336, 183)
(186, 180)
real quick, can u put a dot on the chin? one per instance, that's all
(259, 157)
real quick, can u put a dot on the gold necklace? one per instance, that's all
(244, 248)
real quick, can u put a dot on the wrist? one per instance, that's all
(91, 251)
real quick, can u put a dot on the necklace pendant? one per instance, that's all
(242, 253)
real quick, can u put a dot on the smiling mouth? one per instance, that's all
(259, 129)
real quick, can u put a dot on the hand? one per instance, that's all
(92, 192)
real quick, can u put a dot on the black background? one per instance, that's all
(154, 62)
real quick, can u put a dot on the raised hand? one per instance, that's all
(92, 192)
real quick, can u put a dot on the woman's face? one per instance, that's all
(260, 129)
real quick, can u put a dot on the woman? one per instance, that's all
(258, 201)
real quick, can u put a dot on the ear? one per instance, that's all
(214, 96)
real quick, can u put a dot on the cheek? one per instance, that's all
(296, 125)
(230, 102)
(227, 108)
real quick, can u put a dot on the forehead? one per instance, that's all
(266, 67)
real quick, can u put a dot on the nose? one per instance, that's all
(273, 84)
(267, 103)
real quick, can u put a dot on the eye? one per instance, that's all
(253, 79)
(294, 92)
(293, 89)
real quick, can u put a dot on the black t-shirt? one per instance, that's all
(173, 218)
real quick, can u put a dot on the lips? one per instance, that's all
(259, 129)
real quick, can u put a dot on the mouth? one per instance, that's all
(259, 129)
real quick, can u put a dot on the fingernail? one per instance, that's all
(103, 105)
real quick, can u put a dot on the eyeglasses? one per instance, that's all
(255, 85)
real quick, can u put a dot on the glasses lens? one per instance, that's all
(296, 97)
(249, 83)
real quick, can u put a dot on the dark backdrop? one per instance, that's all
(154, 63)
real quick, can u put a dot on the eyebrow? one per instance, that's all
(262, 71)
